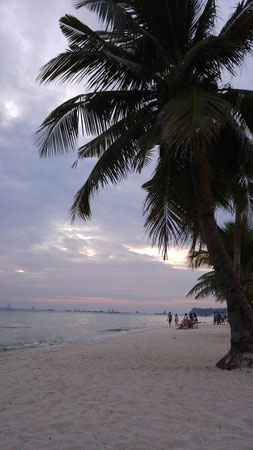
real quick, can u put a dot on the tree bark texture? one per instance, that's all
(240, 314)
(237, 242)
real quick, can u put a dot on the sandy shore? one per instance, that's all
(146, 390)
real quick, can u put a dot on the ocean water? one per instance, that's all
(21, 329)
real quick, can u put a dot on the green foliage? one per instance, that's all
(154, 74)
(208, 284)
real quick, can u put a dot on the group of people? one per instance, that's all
(189, 321)
(219, 318)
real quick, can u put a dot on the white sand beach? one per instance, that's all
(156, 389)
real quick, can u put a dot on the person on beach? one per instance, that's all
(214, 318)
(176, 319)
(185, 324)
(190, 323)
(170, 318)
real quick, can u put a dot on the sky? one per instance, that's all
(45, 261)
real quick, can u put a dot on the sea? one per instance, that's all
(20, 329)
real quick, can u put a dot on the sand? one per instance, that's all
(156, 389)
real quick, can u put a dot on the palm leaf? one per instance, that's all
(60, 130)
(79, 34)
(207, 58)
(172, 23)
(193, 116)
(103, 63)
(114, 164)
(205, 23)
(147, 145)
(124, 127)
(97, 146)
(90, 114)
(207, 285)
(101, 69)
(113, 14)
(199, 258)
(242, 102)
(167, 218)
(234, 152)
(239, 32)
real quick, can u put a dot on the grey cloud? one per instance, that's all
(36, 194)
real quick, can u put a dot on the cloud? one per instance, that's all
(44, 259)
(177, 258)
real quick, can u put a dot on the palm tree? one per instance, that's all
(154, 75)
(208, 284)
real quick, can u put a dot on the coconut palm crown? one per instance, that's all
(154, 75)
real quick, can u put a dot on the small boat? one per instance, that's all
(8, 307)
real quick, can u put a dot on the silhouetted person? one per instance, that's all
(170, 318)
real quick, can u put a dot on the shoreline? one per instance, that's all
(154, 389)
(113, 333)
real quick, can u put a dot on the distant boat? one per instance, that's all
(7, 306)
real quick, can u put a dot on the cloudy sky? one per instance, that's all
(44, 260)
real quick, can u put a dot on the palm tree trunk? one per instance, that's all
(237, 242)
(239, 312)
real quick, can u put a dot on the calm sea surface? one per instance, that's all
(23, 329)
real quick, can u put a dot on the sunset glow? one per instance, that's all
(176, 257)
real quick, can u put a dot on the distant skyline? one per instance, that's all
(45, 261)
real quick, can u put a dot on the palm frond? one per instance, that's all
(111, 168)
(167, 218)
(207, 286)
(114, 164)
(166, 31)
(126, 28)
(153, 73)
(127, 127)
(60, 130)
(239, 32)
(101, 69)
(205, 23)
(147, 145)
(199, 258)
(172, 23)
(242, 102)
(193, 116)
(207, 58)
(113, 14)
(79, 34)
(97, 146)
(238, 19)
(90, 114)
(233, 160)
(101, 62)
